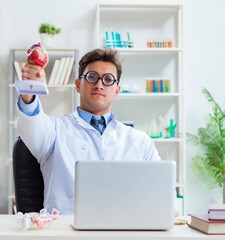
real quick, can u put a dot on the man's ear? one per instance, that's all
(117, 90)
(77, 84)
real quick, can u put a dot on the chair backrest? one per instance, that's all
(28, 180)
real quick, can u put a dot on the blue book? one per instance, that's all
(161, 85)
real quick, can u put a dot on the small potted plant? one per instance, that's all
(47, 32)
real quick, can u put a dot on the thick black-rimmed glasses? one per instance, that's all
(107, 79)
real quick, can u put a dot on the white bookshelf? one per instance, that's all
(149, 22)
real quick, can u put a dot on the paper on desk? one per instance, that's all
(31, 87)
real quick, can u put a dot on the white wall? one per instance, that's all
(204, 37)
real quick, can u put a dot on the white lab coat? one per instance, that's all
(58, 142)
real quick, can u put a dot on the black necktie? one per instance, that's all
(98, 123)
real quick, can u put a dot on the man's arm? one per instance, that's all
(36, 129)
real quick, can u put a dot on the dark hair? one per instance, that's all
(105, 55)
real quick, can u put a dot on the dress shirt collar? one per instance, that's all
(86, 116)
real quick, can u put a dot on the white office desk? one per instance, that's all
(61, 229)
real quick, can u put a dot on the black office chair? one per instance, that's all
(28, 180)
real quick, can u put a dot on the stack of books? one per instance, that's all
(158, 85)
(61, 71)
(211, 223)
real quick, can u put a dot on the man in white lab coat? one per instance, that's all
(58, 142)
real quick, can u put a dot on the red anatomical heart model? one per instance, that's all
(37, 55)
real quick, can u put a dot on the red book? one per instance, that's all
(202, 223)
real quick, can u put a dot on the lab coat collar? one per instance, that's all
(84, 124)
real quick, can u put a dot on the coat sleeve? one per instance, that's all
(37, 132)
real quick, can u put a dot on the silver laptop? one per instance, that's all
(135, 195)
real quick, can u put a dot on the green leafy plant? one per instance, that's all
(49, 29)
(210, 163)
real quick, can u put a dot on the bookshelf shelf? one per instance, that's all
(168, 140)
(149, 95)
(148, 50)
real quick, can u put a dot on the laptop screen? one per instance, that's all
(124, 195)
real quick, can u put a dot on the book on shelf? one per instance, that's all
(17, 67)
(202, 223)
(64, 70)
(216, 211)
(57, 79)
(69, 70)
(55, 69)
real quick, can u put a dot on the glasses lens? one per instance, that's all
(92, 77)
(108, 79)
